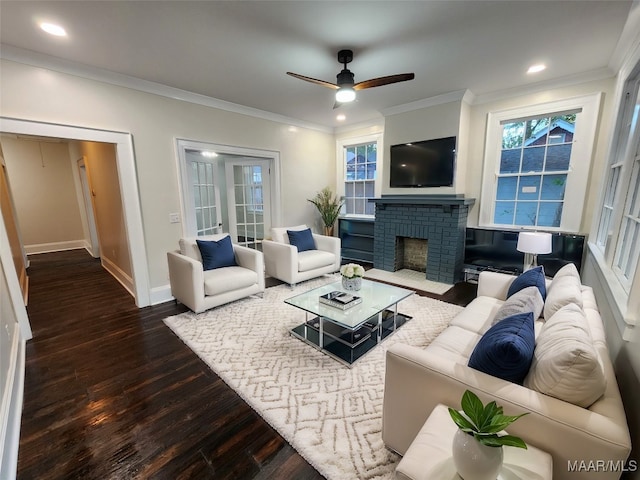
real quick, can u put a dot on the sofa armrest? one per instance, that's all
(252, 259)
(186, 277)
(329, 244)
(494, 284)
(417, 379)
(280, 260)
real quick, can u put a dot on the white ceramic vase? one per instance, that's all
(473, 460)
(352, 284)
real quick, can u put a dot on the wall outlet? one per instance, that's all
(174, 218)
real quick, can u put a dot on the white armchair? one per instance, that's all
(201, 290)
(284, 262)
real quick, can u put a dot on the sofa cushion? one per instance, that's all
(526, 300)
(566, 364)
(216, 254)
(568, 270)
(189, 247)
(454, 343)
(506, 350)
(227, 279)
(279, 234)
(312, 259)
(301, 239)
(532, 277)
(478, 314)
(564, 290)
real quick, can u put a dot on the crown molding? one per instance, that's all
(458, 95)
(35, 59)
(629, 40)
(373, 124)
(537, 87)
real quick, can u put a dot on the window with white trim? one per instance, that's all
(537, 162)
(618, 235)
(359, 176)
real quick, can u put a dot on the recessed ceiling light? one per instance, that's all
(536, 68)
(53, 29)
(206, 153)
(341, 117)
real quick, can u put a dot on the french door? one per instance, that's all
(248, 200)
(228, 189)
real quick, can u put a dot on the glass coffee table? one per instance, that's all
(347, 335)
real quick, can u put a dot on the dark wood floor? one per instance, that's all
(112, 393)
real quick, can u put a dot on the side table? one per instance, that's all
(429, 456)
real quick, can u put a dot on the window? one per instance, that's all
(359, 174)
(533, 171)
(536, 173)
(618, 236)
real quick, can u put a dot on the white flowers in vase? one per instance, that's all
(351, 270)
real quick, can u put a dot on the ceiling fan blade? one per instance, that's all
(333, 86)
(378, 82)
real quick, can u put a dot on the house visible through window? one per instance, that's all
(360, 177)
(534, 166)
(537, 164)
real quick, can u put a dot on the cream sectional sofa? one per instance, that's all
(417, 379)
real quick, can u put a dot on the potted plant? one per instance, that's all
(477, 444)
(329, 207)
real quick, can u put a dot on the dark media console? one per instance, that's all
(495, 250)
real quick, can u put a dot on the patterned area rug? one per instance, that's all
(331, 414)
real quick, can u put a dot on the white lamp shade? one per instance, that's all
(534, 242)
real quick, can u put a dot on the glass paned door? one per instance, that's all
(248, 195)
(206, 194)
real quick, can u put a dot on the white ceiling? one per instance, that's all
(239, 51)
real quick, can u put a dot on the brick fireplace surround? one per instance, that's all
(439, 219)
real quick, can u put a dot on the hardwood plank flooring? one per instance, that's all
(112, 393)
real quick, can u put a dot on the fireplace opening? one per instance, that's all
(411, 254)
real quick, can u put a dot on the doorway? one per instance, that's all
(127, 179)
(228, 189)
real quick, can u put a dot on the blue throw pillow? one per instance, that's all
(217, 254)
(531, 278)
(302, 239)
(506, 350)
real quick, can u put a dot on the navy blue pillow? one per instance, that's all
(217, 254)
(506, 350)
(531, 278)
(302, 239)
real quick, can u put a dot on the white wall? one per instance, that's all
(437, 121)
(44, 194)
(307, 156)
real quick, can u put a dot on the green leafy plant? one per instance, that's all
(328, 205)
(485, 422)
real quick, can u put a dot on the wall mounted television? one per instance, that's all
(429, 163)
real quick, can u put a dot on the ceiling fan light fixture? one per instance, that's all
(345, 95)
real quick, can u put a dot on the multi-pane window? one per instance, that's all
(360, 177)
(204, 194)
(628, 249)
(533, 170)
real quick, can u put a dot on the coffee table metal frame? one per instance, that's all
(346, 335)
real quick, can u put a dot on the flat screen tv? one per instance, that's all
(429, 163)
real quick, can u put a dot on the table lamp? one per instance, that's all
(533, 244)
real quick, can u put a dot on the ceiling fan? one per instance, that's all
(345, 86)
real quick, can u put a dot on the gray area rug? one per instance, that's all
(331, 414)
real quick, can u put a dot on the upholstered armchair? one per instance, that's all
(234, 272)
(285, 262)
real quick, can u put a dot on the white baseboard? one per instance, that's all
(161, 294)
(125, 280)
(55, 247)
